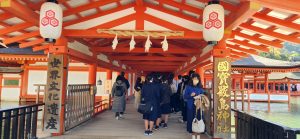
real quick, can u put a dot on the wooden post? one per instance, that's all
(200, 71)
(24, 80)
(233, 83)
(266, 87)
(254, 84)
(242, 83)
(222, 89)
(92, 74)
(274, 87)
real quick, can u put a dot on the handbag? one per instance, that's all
(145, 108)
(198, 126)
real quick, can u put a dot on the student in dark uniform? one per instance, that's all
(194, 88)
(165, 105)
(150, 94)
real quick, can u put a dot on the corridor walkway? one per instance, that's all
(105, 126)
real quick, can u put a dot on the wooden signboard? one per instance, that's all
(5, 3)
(222, 108)
(53, 95)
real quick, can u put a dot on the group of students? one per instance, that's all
(166, 96)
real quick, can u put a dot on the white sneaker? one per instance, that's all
(121, 116)
(180, 120)
(117, 118)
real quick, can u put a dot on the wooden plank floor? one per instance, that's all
(105, 126)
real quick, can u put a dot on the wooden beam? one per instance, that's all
(5, 16)
(116, 22)
(142, 50)
(150, 58)
(238, 53)
(245, 43)
(171, 12)
(102, 13)
(93, 34)
(182, 6)
(276, 21)
(163, 23)
(236, 47)
(246, 10)
(290, 6)
(90, 5)
(39, 48)
(22, 11)
(31, 43)
(15, 28)
(266, 32)
(259, 40)
(227, 6)
(21, 37)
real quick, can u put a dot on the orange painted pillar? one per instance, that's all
(254, 84)
(200, 71)
(274, 87)
(108, 74)
(233, 85)
(242, 83)
(24, 80)
(92, 74)
(266, 86)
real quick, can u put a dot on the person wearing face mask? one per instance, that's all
(194, 88)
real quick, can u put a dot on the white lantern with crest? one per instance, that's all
(51, 20)
(213, 22)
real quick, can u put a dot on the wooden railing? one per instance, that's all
(250, 127)
(79, 105)
(239, 94)
(20, 122)
(101, 106)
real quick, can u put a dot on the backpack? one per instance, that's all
(119, 90)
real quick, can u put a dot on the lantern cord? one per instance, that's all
(143, 33)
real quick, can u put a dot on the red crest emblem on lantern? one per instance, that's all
(213, 21)
(50, 19)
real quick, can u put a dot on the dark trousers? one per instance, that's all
(117, 114)
(190, 117)
(183, 110)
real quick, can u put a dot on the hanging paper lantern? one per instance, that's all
(213, 22)
(50, 21)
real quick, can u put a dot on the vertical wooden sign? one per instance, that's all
(222, 107)
(52, 110)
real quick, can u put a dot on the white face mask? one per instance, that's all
(195, 82)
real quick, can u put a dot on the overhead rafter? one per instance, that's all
(182, 6)
(245, 43)
(163, 23)
(259, 40)
(152, 63)
(116, 22)
(290, 6)
(177, 14)
(246, 10)
(23, 12)
(236, 47)
(276, 21)
(85, 7)
(102, 13)
(15, 28)
(227, 6)
(31, 43)
(269, 33)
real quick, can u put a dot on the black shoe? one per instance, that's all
(150, 133)
(156, 128)
(146, 133)
(165, 125)
(161, 124)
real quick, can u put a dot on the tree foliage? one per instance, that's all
(288, 51)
